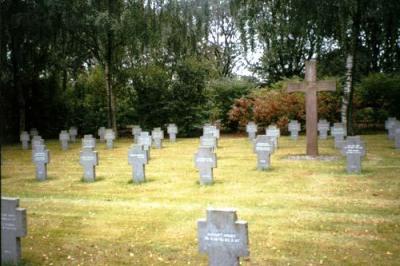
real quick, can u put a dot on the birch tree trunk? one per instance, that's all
(347, 89)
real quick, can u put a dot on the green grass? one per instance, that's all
(299, 212)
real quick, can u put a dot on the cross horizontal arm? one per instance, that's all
(295, 86)
(326, 85)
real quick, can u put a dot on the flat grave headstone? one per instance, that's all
(275, 133)
(13, 228)
(109, 136)
(157, 135)
(73, 132)
(24, 138)
(101, 132)
(338, 132)
(323, 128)
(222, 237)
(208, 141)
(172, 130)
(64, 138)
(41, 157)
(294, 128)
(89, 159)
(263, 147)
(145, 141)
(353, 148)
(389, 126)
(137, 158)
(136, 129)
(251, 129)
(33, 132)
(88, 142)
(205, 161)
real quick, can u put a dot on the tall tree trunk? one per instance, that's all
(347, 89)
(15, 58)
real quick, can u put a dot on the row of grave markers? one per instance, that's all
(221, 236)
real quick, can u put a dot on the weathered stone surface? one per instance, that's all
(157, 136)
(137, 158)
(89, 159)
(323, 128)
(251, 129)
(109, 136)
(222, 237)
(353, 148)
(145, 141)
(41, 157)
(13, 228)
(294, 128)
(310, 87)
(397, 135)
(64, 138)
(390, 126)
(136, 130)
(263, 147)
(172, 130)
(208, 141)
(205, 161)
(273, 132)
(338, 131)
(88, 142)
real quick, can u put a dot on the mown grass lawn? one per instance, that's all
(299, 212)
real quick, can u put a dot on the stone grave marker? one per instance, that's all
(222, 237)
(89, 159)
(389, 126)
(294, 128)
(157, 135)
(36, 140)
(397, 135)
(101, 132)
(136, 129)
(209, 129)
(205, 161)
(263, 147)
(353, 148)
(310, 86)
(323, 128)
(145, 141)
(208, 141)
(109, 136)
(64, 138)
(251, 129)
(172, 130)
(88, 142)
(33, 132)
(275, 133)
(13, 228)
(73, 132)
(41, 157)
(338, 132)
(137, 158)
(24, 138)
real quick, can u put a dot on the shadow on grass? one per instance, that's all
(97, 179)
(148, 180)
(34, 180)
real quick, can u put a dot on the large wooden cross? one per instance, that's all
(310, 87)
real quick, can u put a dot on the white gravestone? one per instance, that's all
(101, 133)
(41, 157)
(263, 147)
(323, 128)
(338, 132)
(137, 158)
(157, 135)
(251, 129)
(209, 141)
(109, 136)
(33, 132)
(172, 130)
(88, 142)
(353, 148)
(222, 237)
(89, 159)
(64, 138)
(145, 141)
(24, 138)
(37, 140)
(13, 228)
(389, 126)
(294, 128)
(136, 130)
(211, 130)
(275, 133)
(205, 160)
(397, 135)
(73, 132)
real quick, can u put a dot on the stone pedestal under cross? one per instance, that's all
(13, 227)
(310, 87)
(41, 157)
(89, 159)
(137, 158)
(223, 237)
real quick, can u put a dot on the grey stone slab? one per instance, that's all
(137, 158)
(323, 128)
(353, 148)
(73, 132)
(136, 129)
(294, 128)
(172, 130)
(64, 138)
(275, 133)
(338, 131)
(397, 135)
(390, 126)
(208, 141)
(222, 237)
(251, 129)
(109, 136)
(89, 159)
(263, 147)
(25, 138)
(13, 228)
(157, 136)
(145, 141)
(209, 129)
(101, 132)
(88, 142)
(37, 140)
(205, 161)
(41, 157)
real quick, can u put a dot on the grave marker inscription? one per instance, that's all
(353, 148)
